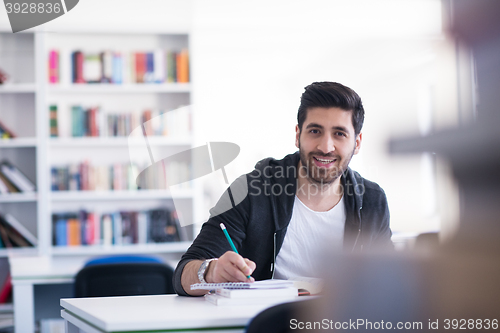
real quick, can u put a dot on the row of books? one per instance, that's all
(94, 122)
(14, 234)
(117, 177)
(117, 228)
(12, 180)
(158, 66)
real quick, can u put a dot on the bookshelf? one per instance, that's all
(18, 112)
(25, 101)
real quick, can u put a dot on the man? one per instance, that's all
(294, 202)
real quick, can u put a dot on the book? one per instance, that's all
(92, 68)
(10, 187)
(77, 58)
(77, 123)
(106, 58)
(53, 66)
(257, 293)
(5, 237)
(183, 66)
(221, 300)
(61, 233)
(162, 227)
(263, 284)
(16, 177)
(159, 66)
(149, 69)
(11, 237)
(118, 64)
(140, 67)
(74, 232)
(3, 187)
(171, 67)
(21, 229)
(6, 132)
(6, 290)
(53, 121)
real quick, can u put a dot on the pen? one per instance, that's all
(223, 227)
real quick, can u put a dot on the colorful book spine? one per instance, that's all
(117, 75)
(183, 66)
(140, 67)
(53, 66)
(77, 121)
(74, 232)
(171, 67)
(77, 66)
(61, 235)
(149, 73)
(54, 132)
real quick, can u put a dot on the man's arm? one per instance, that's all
(211, 243)
(230, 267)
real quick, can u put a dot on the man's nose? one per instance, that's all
(326, 145)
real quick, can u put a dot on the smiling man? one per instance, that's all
(296, 204)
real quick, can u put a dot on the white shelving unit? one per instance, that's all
(25, 102)
(24, 107)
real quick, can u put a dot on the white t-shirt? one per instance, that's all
(306, 236)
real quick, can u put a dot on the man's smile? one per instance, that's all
(324, 162)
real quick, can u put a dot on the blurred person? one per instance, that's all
(296, 203)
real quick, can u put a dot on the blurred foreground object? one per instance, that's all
(456, 285)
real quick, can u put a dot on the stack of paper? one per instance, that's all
(243, 293)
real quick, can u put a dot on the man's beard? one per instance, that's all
(323, 176)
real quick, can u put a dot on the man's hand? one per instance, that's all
(231, 267)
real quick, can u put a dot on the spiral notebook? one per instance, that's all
(264, 284)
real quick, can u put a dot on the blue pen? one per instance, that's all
(223, 227)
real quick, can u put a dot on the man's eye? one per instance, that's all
(314, 131)
(341, 134)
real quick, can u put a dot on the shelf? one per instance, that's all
(17, 88)
(118, 141)
(174, 247)
(18, 142)
(18, 197)
(23, 251)
(118, 195)
(107, 88)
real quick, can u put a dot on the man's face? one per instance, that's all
(326, 143)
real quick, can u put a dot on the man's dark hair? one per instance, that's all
(331, 94)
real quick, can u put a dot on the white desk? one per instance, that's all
(155, 313)
(28, 271)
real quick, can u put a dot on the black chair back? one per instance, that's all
(277, 319)
(124, 279)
